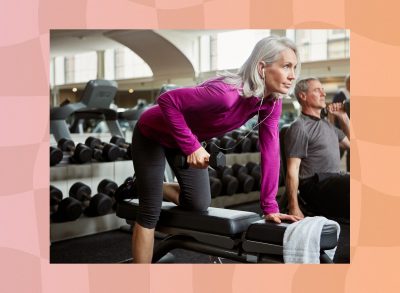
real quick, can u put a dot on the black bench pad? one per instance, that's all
(214, 220)
(264, 231)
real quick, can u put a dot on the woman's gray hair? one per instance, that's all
(247, 80)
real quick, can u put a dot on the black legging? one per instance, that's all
(327, 194)
(149, 163)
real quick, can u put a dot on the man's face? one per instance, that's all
(315, 96)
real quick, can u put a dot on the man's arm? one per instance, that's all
(344, 122)
(337, 110)
(292, 185)
(345, 143)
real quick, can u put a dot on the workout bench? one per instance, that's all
(237, 235)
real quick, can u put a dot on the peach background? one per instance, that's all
(24, 128)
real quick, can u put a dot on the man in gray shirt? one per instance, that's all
(313, 158)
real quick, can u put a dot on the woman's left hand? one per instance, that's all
(278, 217)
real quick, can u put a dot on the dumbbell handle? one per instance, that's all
(119, 141)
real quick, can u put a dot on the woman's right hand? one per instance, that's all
(199, 158)
(278, 218)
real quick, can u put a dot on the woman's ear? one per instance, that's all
(261, 68)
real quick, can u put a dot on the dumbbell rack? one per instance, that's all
(64, 175)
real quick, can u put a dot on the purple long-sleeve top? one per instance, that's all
(186, 116)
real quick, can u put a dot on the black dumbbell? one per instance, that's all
(229, 183)
(109, 152)
(212, 172)
(212, 146)
(63, 210)
(254, 171)
(55, 198)
(126, 190)
(223, 171)
(121, 143)
(243, 143)
(246, 182)
(97, 205)
(227, 144)
(109, 188)
(217, 160)
(78, 154)
(56, 156)
(253, 136)
(80, 191)
(215, 183)
(238, 169)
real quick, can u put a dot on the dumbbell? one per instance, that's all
(126, 190)
(56, 156)
(63, 210)
(243, 142)
(346, 108)
(121, 143)
(215, 183)
(97, 205)
(255, 147)
(217, 160)
(213, 145)
(55, 198)
(109, 152)
(109, 188)
(229, 183)
(223, 171)
(254, 171)
(227, 144)
(78, 154)
(246, 182)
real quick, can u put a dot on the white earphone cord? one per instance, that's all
(258, 114)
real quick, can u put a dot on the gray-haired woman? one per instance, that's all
(186, 116)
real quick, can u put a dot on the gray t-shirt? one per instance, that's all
(316, 142)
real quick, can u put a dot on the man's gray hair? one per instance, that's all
(302, 86)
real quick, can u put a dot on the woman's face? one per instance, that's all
(280, 75)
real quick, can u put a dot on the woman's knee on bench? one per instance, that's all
(196, 202)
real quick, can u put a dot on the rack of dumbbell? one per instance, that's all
(77, 169)
(82, 208)
(93, 150)
(80, 200)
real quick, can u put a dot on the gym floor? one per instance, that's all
(115, 246)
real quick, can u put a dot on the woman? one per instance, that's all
(186, 116)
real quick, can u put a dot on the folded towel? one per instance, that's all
(301, 241)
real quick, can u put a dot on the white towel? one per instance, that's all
(301, 241)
